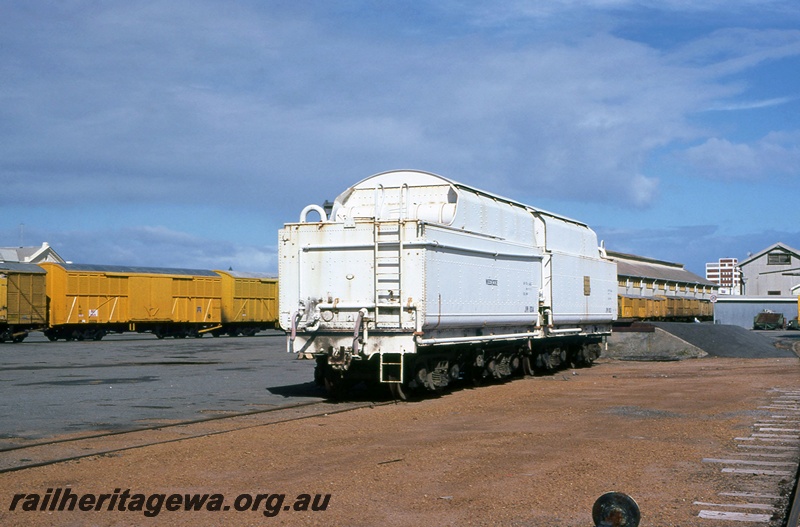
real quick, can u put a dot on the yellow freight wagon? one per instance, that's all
(706, 310)
(625, 309)
(90, 301)
(249, 303)
(670, 307)
(23, 300)
(656, 307)
(641, 308)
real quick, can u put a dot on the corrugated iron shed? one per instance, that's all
(631, 266)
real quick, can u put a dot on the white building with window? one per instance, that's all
(34, 255)
(726, 274)
(771, 272)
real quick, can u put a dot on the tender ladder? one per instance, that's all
(388, 265)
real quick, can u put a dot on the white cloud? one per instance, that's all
(776, 155)
(185, 100)
(751, 105)
(729, 51)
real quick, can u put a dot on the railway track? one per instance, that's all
(42, 453)
(793, 518)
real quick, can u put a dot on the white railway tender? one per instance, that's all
(416, 281)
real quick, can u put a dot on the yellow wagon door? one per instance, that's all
(150, 298)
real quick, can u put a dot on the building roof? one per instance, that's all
(45, 253)
(652, 269)
(246, 274)
(21, 268)
(769, 249)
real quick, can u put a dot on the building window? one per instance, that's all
(779, 259)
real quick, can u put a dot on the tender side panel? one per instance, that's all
(479, 283)
(483, 214)
(582, 287)
(584, 290)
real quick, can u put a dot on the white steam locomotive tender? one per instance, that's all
(416, 281)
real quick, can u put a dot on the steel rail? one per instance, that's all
(793, 519)
(7, 465)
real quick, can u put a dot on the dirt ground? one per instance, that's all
(532, 452)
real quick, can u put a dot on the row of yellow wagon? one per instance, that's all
(80, 302)
(664, 308)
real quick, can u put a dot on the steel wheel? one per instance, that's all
(527, 367)
(399, 391)
(335, 386)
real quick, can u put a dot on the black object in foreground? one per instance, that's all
(615, 509)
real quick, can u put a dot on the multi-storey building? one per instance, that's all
(726, 274)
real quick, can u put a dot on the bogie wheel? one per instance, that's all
(527, 367)
(479, 376)
(335, 386)
(399, 390)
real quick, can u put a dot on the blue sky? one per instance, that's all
(185, 133)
